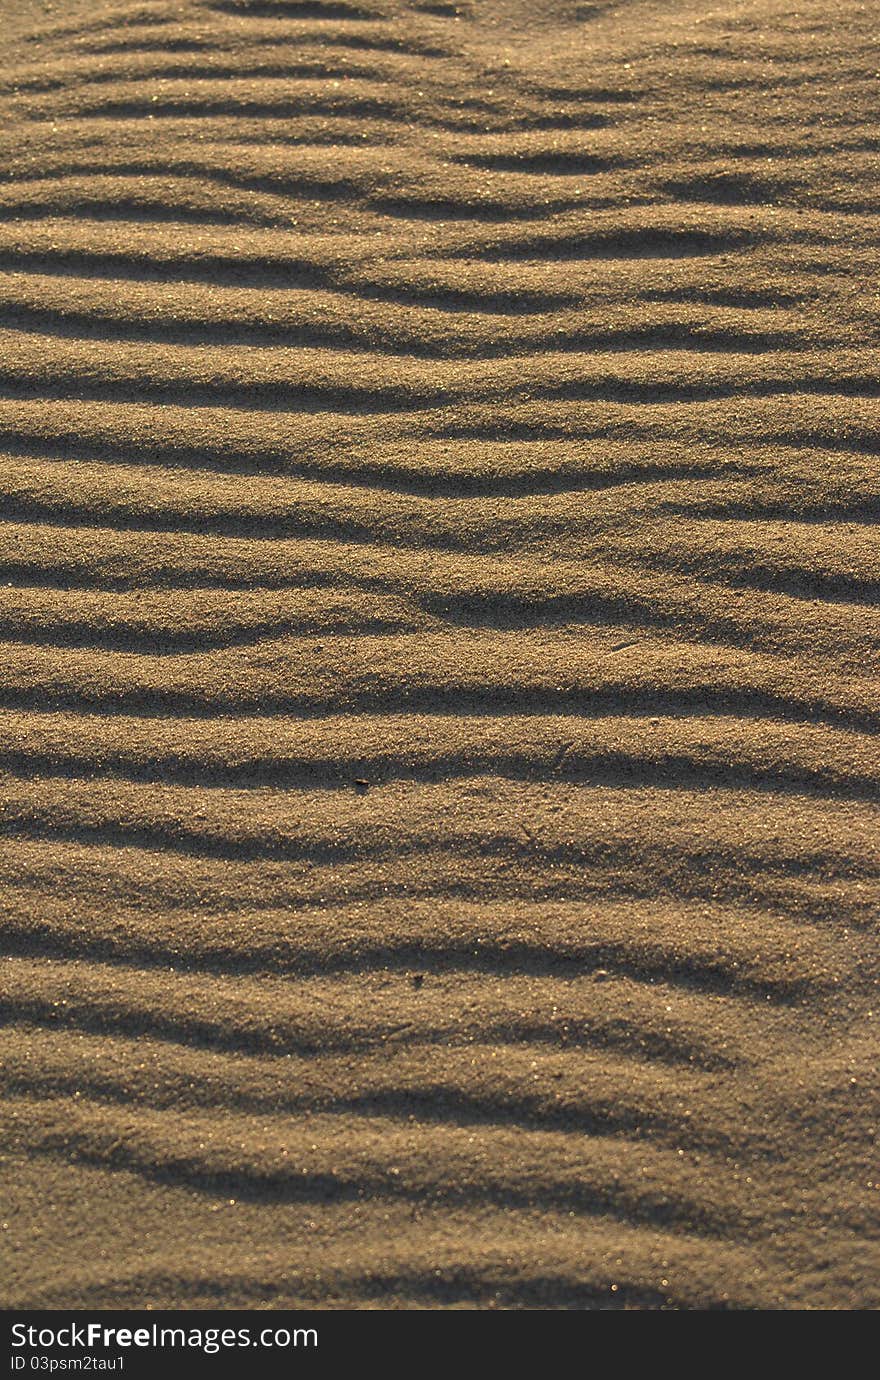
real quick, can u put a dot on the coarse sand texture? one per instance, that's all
(440, 614)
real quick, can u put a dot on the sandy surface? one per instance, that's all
(439, 598)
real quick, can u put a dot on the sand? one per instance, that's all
(439, 768)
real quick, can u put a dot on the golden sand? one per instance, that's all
(439, 767)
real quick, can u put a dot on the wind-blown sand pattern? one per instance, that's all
(440, 812)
